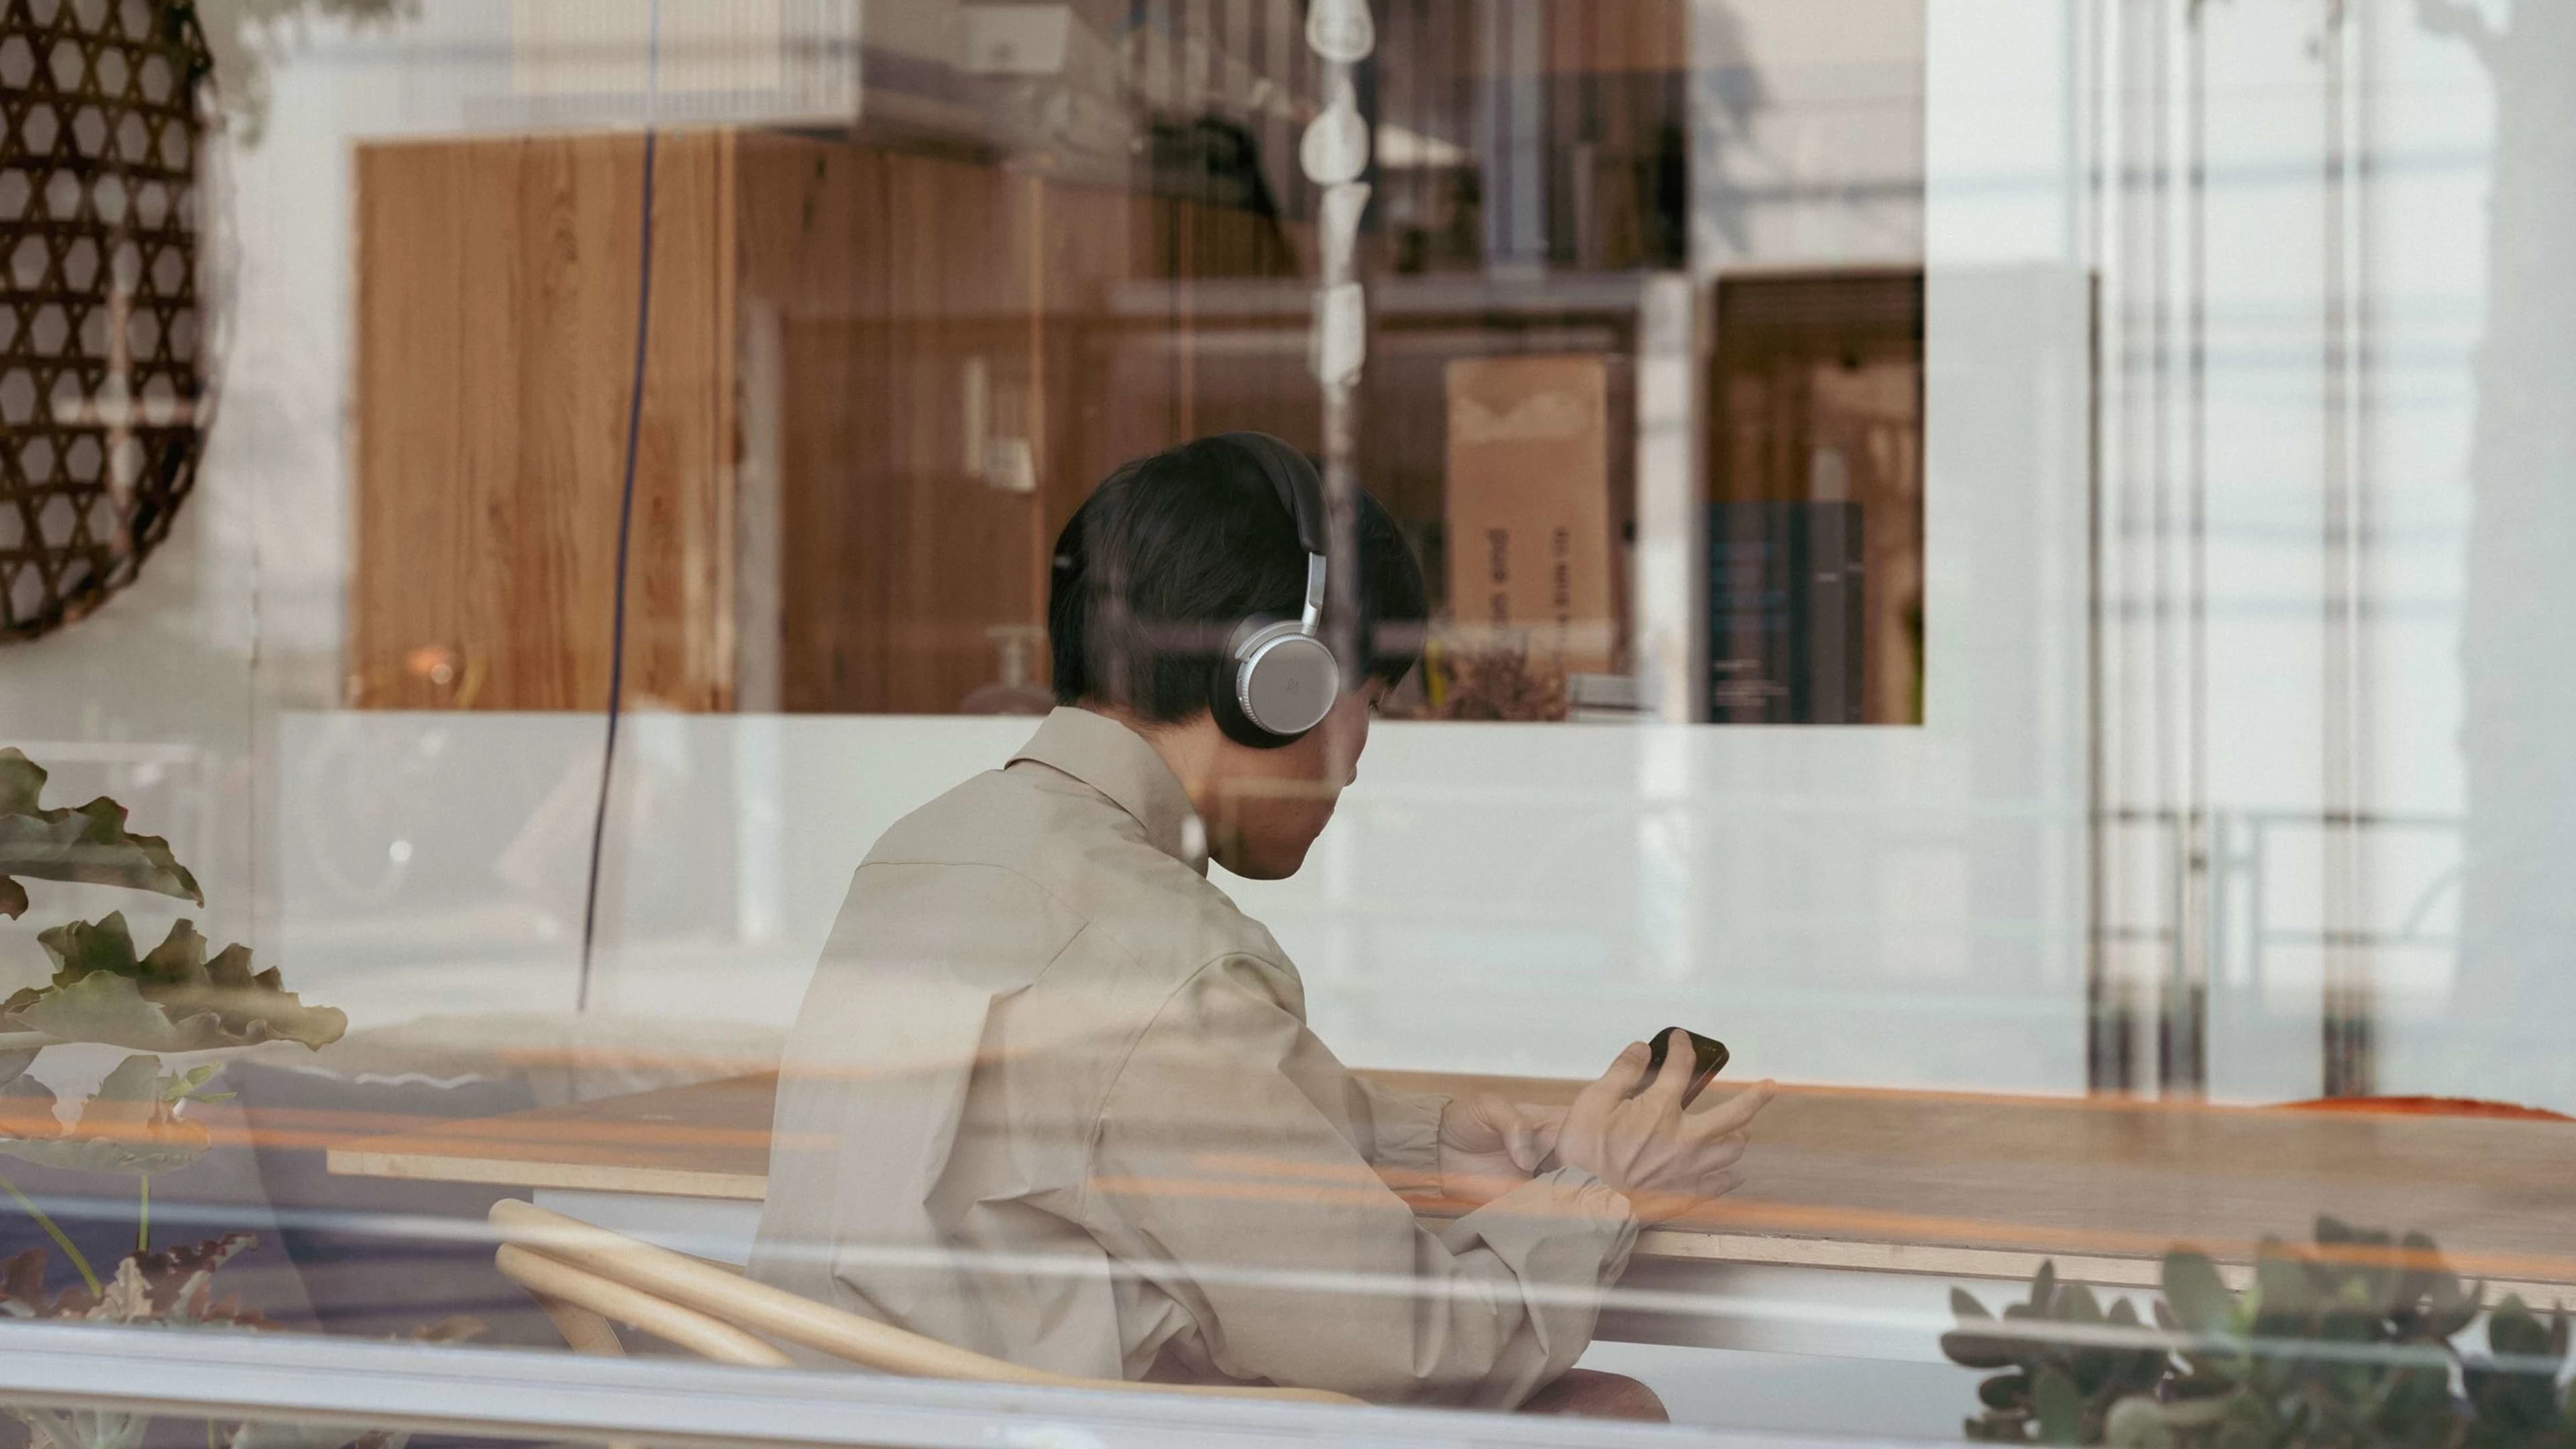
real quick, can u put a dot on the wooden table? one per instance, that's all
(1956, 1186)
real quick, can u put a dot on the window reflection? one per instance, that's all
(1999, 560)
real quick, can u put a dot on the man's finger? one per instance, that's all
(1736, 1112)
(1723, 1151)
(1718, 1185)
(1626, 1071)
(1494, 1110)
(1507, 1121)
(1672, 1083)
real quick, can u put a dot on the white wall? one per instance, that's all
(1807, 132)
(1884, 906)
(2023, 166)
(1899, 907)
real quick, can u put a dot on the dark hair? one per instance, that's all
(1172, 552)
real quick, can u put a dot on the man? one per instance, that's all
(1052, 1096)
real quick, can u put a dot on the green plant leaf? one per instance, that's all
(178, 1282)
(89, 845)
(2422, 1273)
(23, 1293)
(176, 1286)
(2284, 1290)
(2205, 1413)
(126, 1127)
(184, 1086)
(2136, 1370)
(1971, 1349)
(2417, 1405)
(2454, 1306)
(2060, 1408)
(2367, 1274)
(2091, 1364)
(27, 1109)
(1979, 1351)
(2242, 1433)
(2043, 1287)
(2512, 1330)
(2201, 1300)
(2005, 1391)
(173, 1000)
(271, 1434)
(2137, 1422)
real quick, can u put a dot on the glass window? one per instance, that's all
(982, 722)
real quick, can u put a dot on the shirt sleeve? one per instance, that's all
(1228, 1172)
(1403, 1138)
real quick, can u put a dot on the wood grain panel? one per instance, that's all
(497, 292)
(891, 275)
(815, 232)
(1617, 37)
(1926, 1182)
(962, 545)
(900, 556)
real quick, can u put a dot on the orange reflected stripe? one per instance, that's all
(492, 1136)
(1756, 1216)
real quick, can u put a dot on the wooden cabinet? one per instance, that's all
(497, 293)
(871, 399)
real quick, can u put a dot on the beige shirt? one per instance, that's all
(1051, 1096)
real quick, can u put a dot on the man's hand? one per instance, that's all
(1490, 1145)
(1663, 1161)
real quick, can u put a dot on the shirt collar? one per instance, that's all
(1115, 760)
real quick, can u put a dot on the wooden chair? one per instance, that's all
(588, 1279)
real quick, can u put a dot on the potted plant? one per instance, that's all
(175, 998)
(2348, 1344)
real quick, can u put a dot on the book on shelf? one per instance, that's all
(1785, 587)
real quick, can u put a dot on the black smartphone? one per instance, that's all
(1711, 1054)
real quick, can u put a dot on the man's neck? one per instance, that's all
(1190, 750)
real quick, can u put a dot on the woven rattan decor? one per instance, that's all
(102, 382)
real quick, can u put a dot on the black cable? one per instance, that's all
(625, 534)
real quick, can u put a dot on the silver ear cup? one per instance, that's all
(1286, 681)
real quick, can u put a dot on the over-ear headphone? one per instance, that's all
(1281, 678)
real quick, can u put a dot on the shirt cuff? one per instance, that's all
(1405, 1131)
(1572, 1194)
(1565, 1227)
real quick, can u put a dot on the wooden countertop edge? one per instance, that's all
(1921, 1259)
(1655, 1246)
(507, 1172)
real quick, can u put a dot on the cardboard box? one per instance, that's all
(1531, 552)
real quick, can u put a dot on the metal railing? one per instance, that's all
(2252, 906)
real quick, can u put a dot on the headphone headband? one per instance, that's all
(1293, 477)
(1283, 678)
